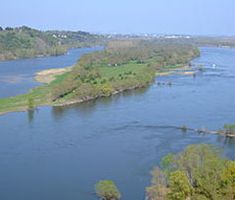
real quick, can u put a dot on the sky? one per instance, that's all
(194, 17)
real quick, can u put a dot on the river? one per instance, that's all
(60, 153)
(17, 76)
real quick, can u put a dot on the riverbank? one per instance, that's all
(49, 75)
(52, 77)
(25, 42)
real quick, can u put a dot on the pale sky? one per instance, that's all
(200, 17)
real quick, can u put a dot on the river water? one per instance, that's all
(60, 153)
(17, 76)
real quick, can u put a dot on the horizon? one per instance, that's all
(184, 17)
(134, 34)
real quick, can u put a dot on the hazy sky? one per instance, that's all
(123, 16)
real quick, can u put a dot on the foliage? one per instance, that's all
(30, 103)
(118, 68)
(158, 189)
(199, 172)
(24, 42)
(229, 129)
(229, 126)
(107, 190)
(179, 185)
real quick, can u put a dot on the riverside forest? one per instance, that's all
(26, 42)
(114, 116)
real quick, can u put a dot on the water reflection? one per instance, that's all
(30, 115)
(87, 108)
(226, 141)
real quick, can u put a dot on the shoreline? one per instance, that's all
(90, 98)
(48, 75)
(184, 70)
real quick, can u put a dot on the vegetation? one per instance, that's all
(24, 42)
(184, 128)
(230, 129)
(197, 173)
(123, 65)
(107, 190)
(220, 41)
(30, 103)
(228, 41)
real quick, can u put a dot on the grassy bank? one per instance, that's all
(123, 65)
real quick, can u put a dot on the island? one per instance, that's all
(124, 64)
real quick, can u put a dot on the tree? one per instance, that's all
(9, 29)
(180, 188)
(1, 29)
(158, 190)
(229, 174)
(31, 104)
(228, 180)
(197, 173)
(107, 190)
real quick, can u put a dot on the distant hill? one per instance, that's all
(25, 42)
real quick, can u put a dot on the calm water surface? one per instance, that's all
(60, 153)
(17, 76)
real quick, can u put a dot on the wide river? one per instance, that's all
(60, 153)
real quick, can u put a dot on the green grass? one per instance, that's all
(109, 72)
(39, 95)
(229, 127)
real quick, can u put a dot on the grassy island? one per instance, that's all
(122, 65)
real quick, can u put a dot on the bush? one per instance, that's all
(31, 104)
(230, 129)
(107, 190)
(184, 128)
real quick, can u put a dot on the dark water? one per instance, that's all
(17, 76)
(60, 153)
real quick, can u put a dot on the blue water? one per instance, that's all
(17, 76)
(60, 153)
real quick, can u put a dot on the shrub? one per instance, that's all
(31, 103)
(197, 173)
(107, 190)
